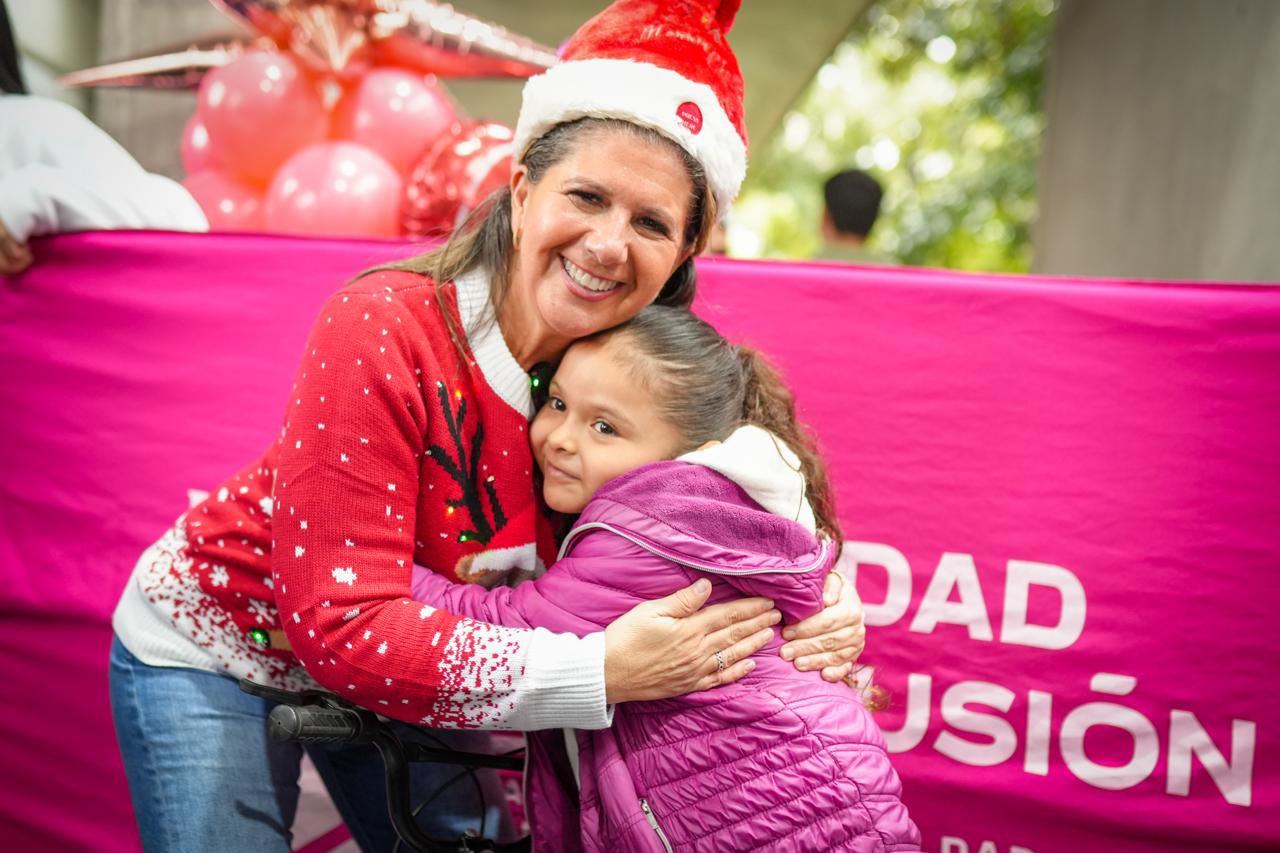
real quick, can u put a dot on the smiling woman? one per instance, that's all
(602, 216)
(406, 441)
(598, 236)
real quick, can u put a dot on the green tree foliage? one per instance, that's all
(941, 100)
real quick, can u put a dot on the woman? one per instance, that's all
(405, 440)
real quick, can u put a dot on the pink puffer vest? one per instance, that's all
(779, 761)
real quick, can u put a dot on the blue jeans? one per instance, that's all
(205, 776)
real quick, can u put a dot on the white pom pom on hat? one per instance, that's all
(661, 64)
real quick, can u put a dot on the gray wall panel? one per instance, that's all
(1162, 148)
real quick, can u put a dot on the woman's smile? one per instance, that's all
(584, 285)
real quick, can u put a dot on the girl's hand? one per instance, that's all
(668, 647)
(831, 639)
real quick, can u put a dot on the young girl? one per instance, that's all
(682, 454)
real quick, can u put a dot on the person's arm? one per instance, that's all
(343, 553)
(501, 605)
(829, 640)
(60, 172)
(343, 521)
(824, 617)
(560, 600)
(38, 200)
(604, 577)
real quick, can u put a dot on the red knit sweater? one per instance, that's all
(394, 450)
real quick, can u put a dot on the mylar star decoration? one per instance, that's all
(177, 67)
(343, 38)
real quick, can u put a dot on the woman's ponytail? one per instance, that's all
(768, 403)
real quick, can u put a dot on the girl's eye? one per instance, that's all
(556, 403)
(603, 428)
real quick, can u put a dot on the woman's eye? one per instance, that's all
(654, 227)
(602, 427)
(585, 197)
(556, 403)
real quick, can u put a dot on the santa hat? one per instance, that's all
(661, 64)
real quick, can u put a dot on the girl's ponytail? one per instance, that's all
(768, 403)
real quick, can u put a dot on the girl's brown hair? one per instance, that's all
(708, 387)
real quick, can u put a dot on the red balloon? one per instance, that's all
(396, 113)
(454, 176)
(228, 203)
(196, 155)
(259, 109)
(335, 188)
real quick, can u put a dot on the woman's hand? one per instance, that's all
(832, 638)
(668, 647)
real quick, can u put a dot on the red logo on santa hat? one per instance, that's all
(690, 116)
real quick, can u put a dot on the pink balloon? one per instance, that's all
(259, 109)
(228, 203)
(196, 156)
(396, 113)
(335, 188)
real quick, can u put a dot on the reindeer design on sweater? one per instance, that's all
(498, 564)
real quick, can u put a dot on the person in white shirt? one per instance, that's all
(61, 172)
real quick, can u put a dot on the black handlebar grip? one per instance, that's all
(313, 724)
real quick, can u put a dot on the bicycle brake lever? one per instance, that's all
(283, 697)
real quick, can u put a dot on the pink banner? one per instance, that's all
(1060, 497)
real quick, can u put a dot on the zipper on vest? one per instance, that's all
(653, 822)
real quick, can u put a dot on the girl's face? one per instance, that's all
(599, 236)
(598, 423)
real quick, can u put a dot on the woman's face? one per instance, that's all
(599, 236)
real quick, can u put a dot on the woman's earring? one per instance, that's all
(515, 239)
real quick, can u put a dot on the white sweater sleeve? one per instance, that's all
(60, 172)
(563, 685)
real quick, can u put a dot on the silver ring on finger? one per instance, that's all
(719, 656)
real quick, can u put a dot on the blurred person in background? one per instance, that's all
(852, 203)
(61, 172)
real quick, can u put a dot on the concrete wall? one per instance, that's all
(149, 123)
(1162, 149)
(54, 37)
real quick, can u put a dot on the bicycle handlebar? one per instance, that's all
(315, 716)
(316, 724)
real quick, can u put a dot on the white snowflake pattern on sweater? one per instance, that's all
(170, 581)
(334, 517)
